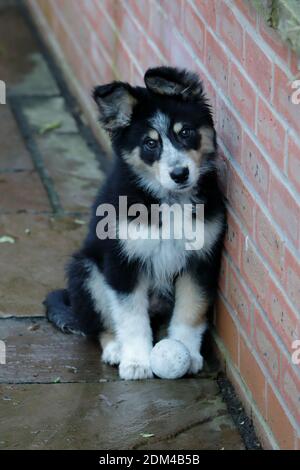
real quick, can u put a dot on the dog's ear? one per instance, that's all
(174, 82)
(115, 103)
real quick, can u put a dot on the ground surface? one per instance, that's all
(54, 392)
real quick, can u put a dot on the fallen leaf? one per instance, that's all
(50, 126)
(79, 222)
(7, 239)
(104, 398)
(57, 380)
(147, 435)
(34, 327)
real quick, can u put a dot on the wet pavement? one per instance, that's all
(54, 391)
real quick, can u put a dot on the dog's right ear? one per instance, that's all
(115, 103)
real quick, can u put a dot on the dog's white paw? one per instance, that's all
(112, 353)
(135, 370)
(196, 363)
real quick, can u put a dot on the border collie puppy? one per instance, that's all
(165, 150)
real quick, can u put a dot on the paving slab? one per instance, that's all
(34, 264)
(13, 153)
(73, 169)
(44, 112)
(115, 415)
(22, 191)
(36, 352)
(22, 66)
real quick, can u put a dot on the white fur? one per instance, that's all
(127, 316)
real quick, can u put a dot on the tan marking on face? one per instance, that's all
(135, 161)
(177, 127)
(190, 303)
(153, 134)
(207, 140)
(195, 155)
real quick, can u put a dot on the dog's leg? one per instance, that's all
(111, 349)
(133, 330)
(188, 321)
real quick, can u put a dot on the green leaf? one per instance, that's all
(50, 126)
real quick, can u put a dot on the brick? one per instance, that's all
(223, 275)
(178, 55)
(253, 376)
(233, 239)
(222, 167)
(239, 299)
(174, 10)
(217, 61)
(284, 209)
(271, 133)
(266, 346)
(227, 330)
(207, 8)
(290, 386)
(247, 9)
(294, 162)
(284, 319)
(255, 272)
(241, 200)
(279, 422)
(141, 10)
(242, 96)
(194, 30)
(270, 242)
(123, 62)
(104, 31)
(292, 282)
(230, 30)
(147, 56)
(255, 166)
(258, 65)
(229, 130)
(161, 31)
(273, 39)
(128, 30)
(283, 98)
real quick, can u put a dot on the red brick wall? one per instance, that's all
(246, 70)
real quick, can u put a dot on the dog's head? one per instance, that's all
(165, 131)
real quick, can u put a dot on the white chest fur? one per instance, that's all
(163, 258)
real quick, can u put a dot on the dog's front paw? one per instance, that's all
(111, 353)
(196, 363)
(135, 370)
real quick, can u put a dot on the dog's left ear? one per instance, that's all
(115, 103)
(174, 82)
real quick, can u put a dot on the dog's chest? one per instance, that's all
(161, 258)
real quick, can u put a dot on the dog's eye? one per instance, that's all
(185, 133)
(150, 144)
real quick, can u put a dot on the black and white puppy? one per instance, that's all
(165, 146)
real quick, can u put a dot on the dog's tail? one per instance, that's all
(60, 313)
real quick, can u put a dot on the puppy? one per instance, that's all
(165, 149)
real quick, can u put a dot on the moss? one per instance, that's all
(284, 16)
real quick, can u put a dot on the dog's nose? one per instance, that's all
(180, 174)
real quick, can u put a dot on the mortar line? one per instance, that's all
(35, 154)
